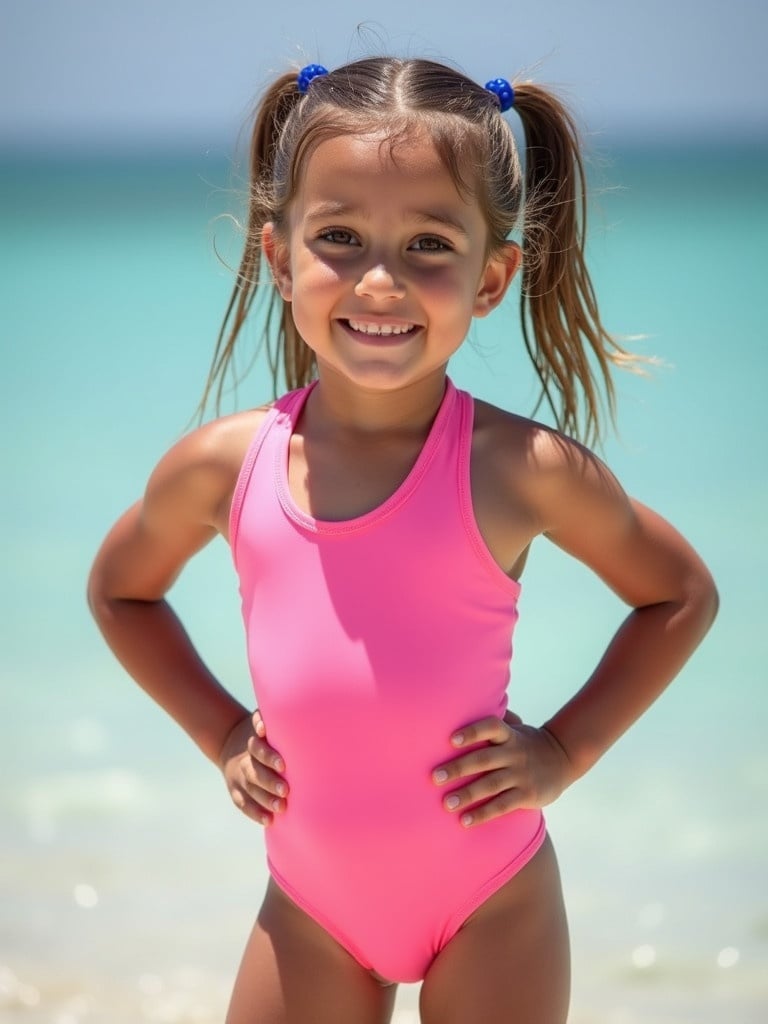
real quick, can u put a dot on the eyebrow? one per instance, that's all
(337, 208)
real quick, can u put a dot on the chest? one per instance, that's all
(338, 482)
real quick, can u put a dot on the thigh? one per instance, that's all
(293, 972)
(510, 962)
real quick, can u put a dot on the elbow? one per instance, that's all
(704, 599)
(99, 589)
(713, 602)
(95, 594)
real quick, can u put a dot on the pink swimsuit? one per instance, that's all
(370, 641)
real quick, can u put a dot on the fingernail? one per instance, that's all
(457, 739)
(276, 805)
(441, 775)
(280, 787)
(466, 820)
(452, 803)
(279, 765)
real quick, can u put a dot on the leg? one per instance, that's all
(510, 961)
(293, 972)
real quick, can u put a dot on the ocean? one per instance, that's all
(128, 883)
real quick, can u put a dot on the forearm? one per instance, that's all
(152, 645)
(645, 655)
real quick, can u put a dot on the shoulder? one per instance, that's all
(199, 472)
(569, 495)
(553, 474)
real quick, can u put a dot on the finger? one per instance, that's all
(509, 800)
(266, 798)
(258, 724)
(486, 730)
(250, 807)
(261, 751)
(478, 791)
(257, 778)
(476, 762)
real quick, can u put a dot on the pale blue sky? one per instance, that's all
(173, 72)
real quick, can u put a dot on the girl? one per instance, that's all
(380, 522)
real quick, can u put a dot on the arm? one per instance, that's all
(136, 565)
(674, 603)
(185, 504)
(580, 507)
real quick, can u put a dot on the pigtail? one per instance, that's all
(572, 353)
(570, 349)
(271, 115)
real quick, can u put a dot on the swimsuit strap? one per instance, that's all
(286, 409)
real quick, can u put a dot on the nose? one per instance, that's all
(380, 282)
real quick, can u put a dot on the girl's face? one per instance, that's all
(384, 261)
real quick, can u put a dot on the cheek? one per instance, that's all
(313, 277)
(454, 292)
(315, 291)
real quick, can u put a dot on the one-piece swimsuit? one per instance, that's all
(370, 642)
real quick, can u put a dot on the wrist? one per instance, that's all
(569, 770)
(221, 754)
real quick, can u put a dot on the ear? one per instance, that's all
(497, 277)
(275, 249)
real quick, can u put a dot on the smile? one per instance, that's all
(379, 329)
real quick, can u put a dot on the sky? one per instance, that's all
(168, 73)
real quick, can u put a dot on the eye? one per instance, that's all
(431, 243)
(337, 236)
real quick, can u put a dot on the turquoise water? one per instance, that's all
(127, 883)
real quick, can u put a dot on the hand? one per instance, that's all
(520, 766)
(252, 770)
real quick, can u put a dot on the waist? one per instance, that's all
(341, 841)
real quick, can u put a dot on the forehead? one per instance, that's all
(374, 167)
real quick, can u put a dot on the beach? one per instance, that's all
(128, 882)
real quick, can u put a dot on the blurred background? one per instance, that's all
(128, 884)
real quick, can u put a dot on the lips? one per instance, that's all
(382, 329)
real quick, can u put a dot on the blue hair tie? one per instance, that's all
(306, 75)
(503, 92)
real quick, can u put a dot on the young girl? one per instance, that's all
(380, 520)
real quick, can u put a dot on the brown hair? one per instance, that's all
(570, 350)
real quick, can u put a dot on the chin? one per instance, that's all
(375, 375)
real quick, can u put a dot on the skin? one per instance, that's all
(414, 257)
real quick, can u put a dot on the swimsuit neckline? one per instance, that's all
(385, 508)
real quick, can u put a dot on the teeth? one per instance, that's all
(380, 329)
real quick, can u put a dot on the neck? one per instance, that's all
(338, 406)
